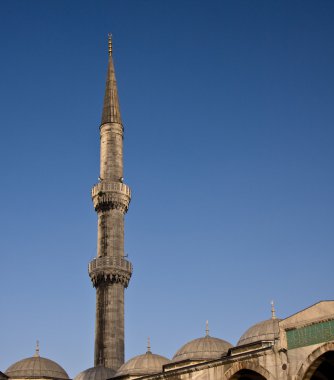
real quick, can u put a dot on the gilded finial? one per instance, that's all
(109, 44)
(207, 328)
(148, 345)
(273, 313)
(37, 349)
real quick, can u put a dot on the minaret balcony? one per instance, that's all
(110, 268)
(111, 195)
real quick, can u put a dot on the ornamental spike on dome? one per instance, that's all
(207, 328)
(273, 313)
(148, 346)
(37, 349)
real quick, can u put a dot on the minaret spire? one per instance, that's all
(111, 112)
(110, 44)
(110, 272)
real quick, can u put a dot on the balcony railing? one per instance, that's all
(109, 262)
(111, 186)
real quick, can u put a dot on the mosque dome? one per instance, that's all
(145, 364)
(265, 330)
(205, 348)
(96, 373)
(36, 367)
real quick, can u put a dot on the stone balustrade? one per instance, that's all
(110, 268)
(106, 187)
(110, 261)
(111, 195)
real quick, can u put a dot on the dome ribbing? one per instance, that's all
(265, 330)
(96, 373)
(206, 348)
(36, 367)
(146, 364)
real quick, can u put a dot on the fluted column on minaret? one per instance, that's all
(110, 272)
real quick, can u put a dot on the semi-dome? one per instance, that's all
(205, 348)
(36, 367)
(96, 373)
(146, 364)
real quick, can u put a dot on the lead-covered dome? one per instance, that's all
(96, 373)
(146, 364)
(265, 330)
(205, 348)
(36, 367)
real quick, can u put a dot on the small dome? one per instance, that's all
(205, 348)
(96, 373)
(265, 330)
(36, 367)
(146, 364)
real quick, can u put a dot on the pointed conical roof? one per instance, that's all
(111, 112)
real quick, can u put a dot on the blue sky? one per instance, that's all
(228, 115)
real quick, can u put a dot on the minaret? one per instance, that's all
(110, 272)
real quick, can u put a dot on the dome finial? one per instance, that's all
(273, 313)
(109, 44)
(207, 328)
(37, 349)
(148, 346)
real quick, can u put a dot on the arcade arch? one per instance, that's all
(247, 370)
(319, 365)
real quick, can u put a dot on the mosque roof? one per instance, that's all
(265, 330)
(36, 367)
(145, 364)
(205, 348)
(96, 373)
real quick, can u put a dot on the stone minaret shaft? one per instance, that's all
(110, 272)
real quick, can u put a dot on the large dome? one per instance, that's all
(36, 367)
(265, 330)
(205, 348)
(146, 364)
(96, 373)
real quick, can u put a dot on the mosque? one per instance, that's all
(299, 347)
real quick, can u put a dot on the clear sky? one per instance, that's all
(228, 115)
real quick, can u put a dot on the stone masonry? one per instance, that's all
(109, 271)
